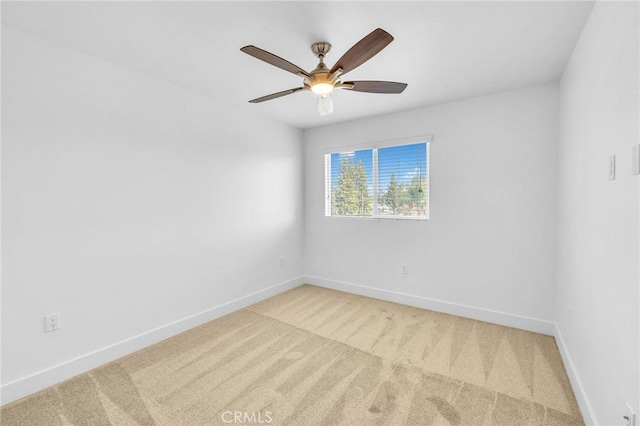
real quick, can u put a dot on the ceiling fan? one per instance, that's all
(322, 80)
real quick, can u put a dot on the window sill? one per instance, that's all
(398, 218)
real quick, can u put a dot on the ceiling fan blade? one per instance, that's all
(276, 95)
(272, 59)
(376, 86)
(363, 50)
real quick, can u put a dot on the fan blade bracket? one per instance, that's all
(347, 85)
(337, 73)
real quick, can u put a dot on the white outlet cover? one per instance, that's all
(52, 322)
(635, 160)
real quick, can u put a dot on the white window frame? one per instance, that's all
(374, 146)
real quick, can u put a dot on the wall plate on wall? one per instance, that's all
(635, 160)
(630, 417)
(612, 167)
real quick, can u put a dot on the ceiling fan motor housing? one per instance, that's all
(321, 75)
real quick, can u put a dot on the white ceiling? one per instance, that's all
(443, 50)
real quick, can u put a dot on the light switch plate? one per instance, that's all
(635, 160)
(630, 417)
(612, 167)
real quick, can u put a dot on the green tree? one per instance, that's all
(351, 194)
(418, 194)
(393, 197)
(362, 189)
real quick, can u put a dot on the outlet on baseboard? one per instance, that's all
(52, 322)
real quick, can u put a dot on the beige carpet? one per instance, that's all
(314, 356)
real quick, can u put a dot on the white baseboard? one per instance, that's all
(37, 381)
(501, 318)
(588, 414)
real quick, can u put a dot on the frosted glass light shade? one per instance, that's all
(322, 88)
(325, 104)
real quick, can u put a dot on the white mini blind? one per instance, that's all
(402, 180)
(351, 183)
(384, 182)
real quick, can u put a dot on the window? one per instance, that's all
(386, 181)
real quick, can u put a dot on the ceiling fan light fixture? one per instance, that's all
(323, 80)
(322, 88)
(325, 104)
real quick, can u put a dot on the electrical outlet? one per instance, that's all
(630, 417)
(52, 322)
(405, 269)
(281, 264)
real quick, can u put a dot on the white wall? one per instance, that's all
(128, 204)
(490, 241)
(598, 229)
